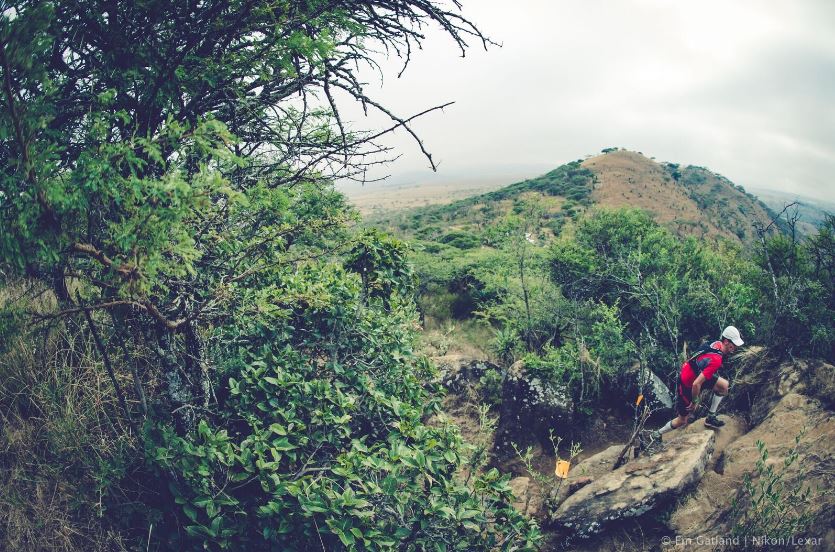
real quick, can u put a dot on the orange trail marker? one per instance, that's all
(640, 398)
(561, 469)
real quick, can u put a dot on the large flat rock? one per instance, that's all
(592, 468)
(639, 486)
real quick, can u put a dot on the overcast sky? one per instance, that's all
(745, 88)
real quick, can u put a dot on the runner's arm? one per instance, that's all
(696, 389)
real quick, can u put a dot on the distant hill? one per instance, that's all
(688, 200)
(810, 212)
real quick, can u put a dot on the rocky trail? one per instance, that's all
(683, 491)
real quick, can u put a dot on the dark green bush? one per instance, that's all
(461, 240)
(322, 436)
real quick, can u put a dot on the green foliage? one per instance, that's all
(323, 437)
(475, 218)
(170, 167)
(667, 291)
(548, 485)
(381, 262)
(453, 283)
(594, 353)
(767, 505)
(570, 181)
(558, 364)
(490, 387)
(797, 291)
(461, 240)
(506, 345)
(673, 170)
(531, 309)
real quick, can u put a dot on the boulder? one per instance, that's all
(462, 376)
(531, 408)
(578, 484)
(760, 380)
(655, 391)
(640, 486)
(788, 378)
(584, 473)
(812, 378)
(455, 372)
(822, 383)
(635, 381)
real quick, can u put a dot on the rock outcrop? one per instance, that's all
(761, 380)
(455, 372)
(636, 488)
(531, 407)
(593, 468)
(705, 512)
(801, 377)
(653, 388)
(660, 393)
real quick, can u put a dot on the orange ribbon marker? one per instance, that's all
(561, 469)
(640, 398)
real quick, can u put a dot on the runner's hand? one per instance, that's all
(691, 407)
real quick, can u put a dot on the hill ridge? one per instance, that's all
(689, 200)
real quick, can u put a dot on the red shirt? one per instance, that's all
(688, 376)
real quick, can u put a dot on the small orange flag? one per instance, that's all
(640, 398)
(561, 469)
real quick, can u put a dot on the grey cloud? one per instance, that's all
(744, 88)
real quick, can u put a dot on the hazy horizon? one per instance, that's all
(504, 175)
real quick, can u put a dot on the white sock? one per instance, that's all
(714, 404)
(666, 428)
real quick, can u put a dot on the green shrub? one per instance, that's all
(796, 286)
(490, 387)
(767, 506)
(667, 291)
(555, 364)
(322, 436)
(507, 345)
(461, 240)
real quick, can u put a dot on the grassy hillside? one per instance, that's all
(562, 193)
(687, 200)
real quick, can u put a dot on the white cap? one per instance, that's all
(733, 334)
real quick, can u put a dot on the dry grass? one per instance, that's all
(381, 198)
(60, 439)
(628, 179)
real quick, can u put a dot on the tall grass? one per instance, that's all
(63, 441)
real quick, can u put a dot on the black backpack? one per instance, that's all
(698, 364)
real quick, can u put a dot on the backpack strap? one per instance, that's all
(698, 364)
